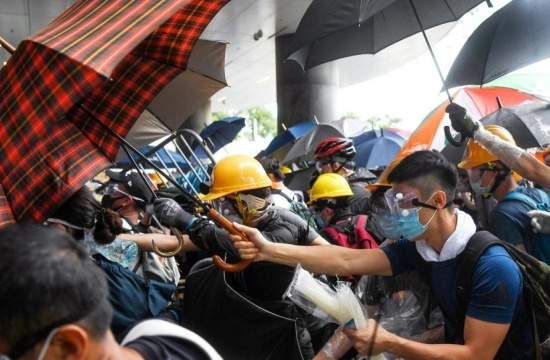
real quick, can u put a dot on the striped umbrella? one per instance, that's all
(100, 61)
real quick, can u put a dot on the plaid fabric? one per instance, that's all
(51, 146)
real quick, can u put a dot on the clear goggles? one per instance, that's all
(402, 204)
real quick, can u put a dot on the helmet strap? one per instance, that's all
(502, 173)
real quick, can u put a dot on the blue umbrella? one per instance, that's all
(288, 137)
(221, 132)
(124, 162)
(376, 148)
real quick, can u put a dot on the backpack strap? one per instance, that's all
(281, 192)
(527, 200)
(467, 261)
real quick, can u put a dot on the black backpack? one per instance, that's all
(536, 285)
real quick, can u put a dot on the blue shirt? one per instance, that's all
(509, 222)
(496, 296)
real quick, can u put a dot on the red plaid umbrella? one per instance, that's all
(99, 61)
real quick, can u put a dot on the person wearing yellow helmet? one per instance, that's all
(490, 177)
(241, 182)
(330, 198)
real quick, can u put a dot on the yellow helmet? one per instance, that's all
(477, 155)
(286, 170)
(237, 173)
(329, 185)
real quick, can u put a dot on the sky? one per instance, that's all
(412, 91)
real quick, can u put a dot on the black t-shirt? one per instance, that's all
(167, 348)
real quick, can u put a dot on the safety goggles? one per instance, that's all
(477, 173)
(397, 203)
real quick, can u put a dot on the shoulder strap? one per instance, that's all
(517, 196)
(361, 221)
(156, 327)
(476, 246)
(282, 193)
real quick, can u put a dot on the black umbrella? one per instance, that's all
(299, 180)
(529, 124)
(333, 30)
(513, 37)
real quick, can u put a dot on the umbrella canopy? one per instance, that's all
(303, 148)
(299, 180)
(333, 30)
(204, 76)
(513, 37)
(528, 124)
(377, 148)
(279, 146)
(222, 132)
(479, 102)
(95, 67)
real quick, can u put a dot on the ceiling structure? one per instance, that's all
(250, 63)
(248, 26)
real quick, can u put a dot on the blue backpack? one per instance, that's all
(539, 246)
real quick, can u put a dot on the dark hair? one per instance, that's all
(272, 166)
(47, 280)
(83, 210)
(427, 171)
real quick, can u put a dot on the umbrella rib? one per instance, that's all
(451, 10)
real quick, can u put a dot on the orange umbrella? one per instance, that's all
(478, 102)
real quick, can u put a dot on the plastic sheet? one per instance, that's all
(341, 306)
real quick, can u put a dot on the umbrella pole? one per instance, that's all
(446, 129)
(6, 45)
(431, 51)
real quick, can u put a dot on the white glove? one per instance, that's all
(540, 221)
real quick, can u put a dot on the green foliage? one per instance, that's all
(264, 121)
(378, 122)
(218, 115)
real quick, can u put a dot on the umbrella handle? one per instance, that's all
(171, 253)
(451, 140)
(227, 225)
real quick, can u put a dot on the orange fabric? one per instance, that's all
(479, 102)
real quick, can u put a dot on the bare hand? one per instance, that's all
(373, 338)
(256, 249)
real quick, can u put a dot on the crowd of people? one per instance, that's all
(449, 260)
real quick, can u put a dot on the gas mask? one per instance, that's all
(251, 207)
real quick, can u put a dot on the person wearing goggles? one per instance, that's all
(431, 237)
(335, 155)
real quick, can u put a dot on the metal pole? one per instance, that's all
(133, 161)
(187, 160)
(165, 168)
(181, 171)
(136, 151)
(194, 156)
(6, 45)
(431, 51)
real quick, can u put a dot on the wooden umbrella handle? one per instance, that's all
(227, 225)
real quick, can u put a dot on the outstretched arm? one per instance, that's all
(511, 155)
(330, 259)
